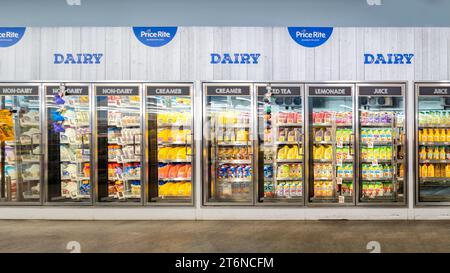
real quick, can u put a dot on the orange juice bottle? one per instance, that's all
(430, 170)
(436, 153)
(447, 170)
(447, 137)
(429, 153)
(442, 136)
(424, 170)
(442, 153)
(425, 135)
(436, 135)
(423, 153)
(420, 135)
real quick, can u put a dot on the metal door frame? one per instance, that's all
(415, 151)
(205, 151)
(300, 203)
(147, 146)
(95, 138)
(404, 88)
(352, 85)
(42, 164)
(45, 137)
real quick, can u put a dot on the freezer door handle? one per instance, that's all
(32, 144)
(352, 147)
(134, 145)
(82, 143)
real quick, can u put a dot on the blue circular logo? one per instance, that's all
(10, 36)
(155, 36)
(310, 36)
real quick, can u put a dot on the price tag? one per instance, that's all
(369, 144)
(339, 162)
(375, 162)
(341, 199)
(339, 180)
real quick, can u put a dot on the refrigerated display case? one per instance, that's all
(330, 142)
(228, 144)
(381, 143)
(68, 143)
(432, 136)
(169, 109)
(118, 135)
(20, 144)
(280, 165)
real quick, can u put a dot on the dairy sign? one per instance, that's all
(10, 36)
(310, 36)
(155, 36)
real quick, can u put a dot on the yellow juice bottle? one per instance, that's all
(423, 153)
(436, 153)
(430, 170)
(442, 153)
(447, 170)
(420, 135)
(436, 135)
(429, 153)
(424, 170)
(430, 135)
(442, 136)
(447, 135)
(425, 135)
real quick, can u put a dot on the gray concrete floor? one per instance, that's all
(224, 236)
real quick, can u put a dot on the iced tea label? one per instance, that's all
(280, 90)
(82, 90)
(168, 91)
(434, 90)
(20, 90)
(117, 90)
(326, 91)
(228, 90)
(380, 90)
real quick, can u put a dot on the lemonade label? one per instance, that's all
(325, 91)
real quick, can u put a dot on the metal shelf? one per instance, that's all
(434, 161)
(177, 179)
(289, 160)
(289, 125)
(433, 143)
(234, 161)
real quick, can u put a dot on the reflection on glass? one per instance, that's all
(170, 138)
(434, 149)
(382, 148)
(331, 149)
(230, 155)
(119, 149)
(20, 150)
(281, 147)
(69, 145)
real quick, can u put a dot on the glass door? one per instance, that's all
(118, 150)
(433, 144)
(331, 144)
(280, 143)
(381, 143)
(228, 143)
(170, 138)
(68, 146)
(20, 144)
